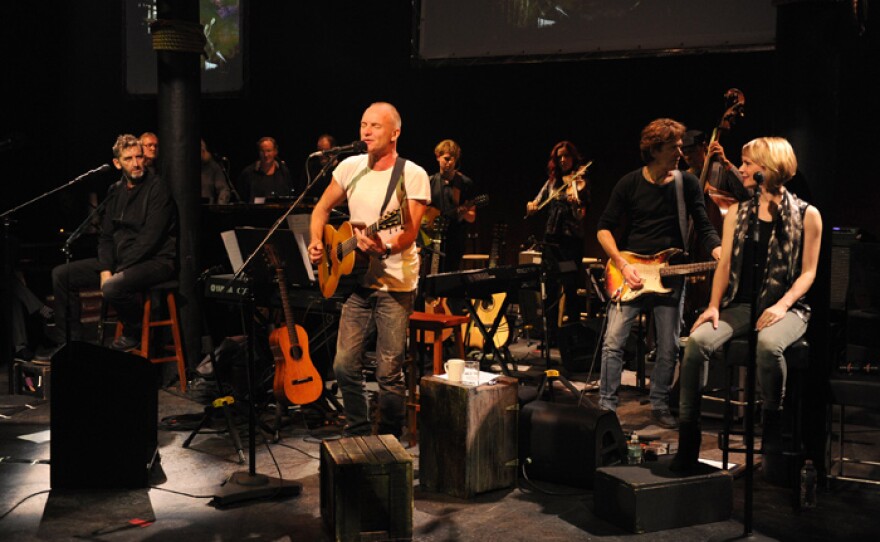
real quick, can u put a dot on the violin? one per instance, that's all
(571, 185)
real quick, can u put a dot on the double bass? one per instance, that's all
(717, 202)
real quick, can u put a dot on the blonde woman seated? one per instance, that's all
(787, 251)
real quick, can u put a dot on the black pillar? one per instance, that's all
(179, 119)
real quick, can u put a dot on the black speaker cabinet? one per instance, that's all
(104, 413)
(565, 443)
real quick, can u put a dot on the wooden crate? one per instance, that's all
(367, 488)
(467, 436)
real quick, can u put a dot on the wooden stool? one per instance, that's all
(421, 323)
(169, 289)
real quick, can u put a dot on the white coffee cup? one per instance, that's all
(454, 369)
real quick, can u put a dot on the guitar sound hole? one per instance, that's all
(296, 352)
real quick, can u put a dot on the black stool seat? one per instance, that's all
(797, 355)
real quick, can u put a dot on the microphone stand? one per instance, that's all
(245, 485)
(224, 166)
(751, 370)
(7, 219)
(68, 255)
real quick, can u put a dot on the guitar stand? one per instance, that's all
(223, 404)
(327, 405)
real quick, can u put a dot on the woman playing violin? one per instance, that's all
(566, 194)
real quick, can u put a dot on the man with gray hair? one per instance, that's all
(137, 248)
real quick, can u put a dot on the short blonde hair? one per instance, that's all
(775, 155)
(450, 146)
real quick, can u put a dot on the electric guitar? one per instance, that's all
(651, 270)
(339, 249)
(437, 305)
(487, 309)
(296, 378)
(432, 213)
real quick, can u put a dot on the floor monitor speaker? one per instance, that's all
(104, 413)
(565, 443)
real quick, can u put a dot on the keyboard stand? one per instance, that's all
(502, 355)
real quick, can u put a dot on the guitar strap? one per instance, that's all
(396, 180)
(682, 209)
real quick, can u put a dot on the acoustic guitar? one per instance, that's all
(296, 378)
(487, 309)
(339, 249)
(651, 270)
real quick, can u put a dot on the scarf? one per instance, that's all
(783, 265)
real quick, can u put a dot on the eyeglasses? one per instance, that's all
(153, 145)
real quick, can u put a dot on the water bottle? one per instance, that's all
(634, 451)
(808, 485)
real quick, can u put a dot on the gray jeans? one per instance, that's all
(387, 313)
(734, 321)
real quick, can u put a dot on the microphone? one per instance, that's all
(357, 147)
(104, 167)
(759, 177)
(213, 270)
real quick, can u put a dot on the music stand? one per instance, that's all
(286, 247)
(246, 485)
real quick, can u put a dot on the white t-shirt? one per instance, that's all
(365, 190)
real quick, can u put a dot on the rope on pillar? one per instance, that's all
(179, 36)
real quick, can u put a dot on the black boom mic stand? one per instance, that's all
(247, 485)
(7, 219)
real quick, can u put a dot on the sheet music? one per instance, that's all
(299, 224)
(233, 251)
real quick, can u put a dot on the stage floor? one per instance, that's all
(177, 507)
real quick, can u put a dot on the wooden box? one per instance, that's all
(367, 488)
(649, 497)
(467, 436)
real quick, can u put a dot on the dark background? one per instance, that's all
(314, 67)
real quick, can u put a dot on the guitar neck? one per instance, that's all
(347, 246)
(435, 257)
(285, 305)
(687, 268)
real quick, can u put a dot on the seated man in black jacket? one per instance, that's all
(136, 249)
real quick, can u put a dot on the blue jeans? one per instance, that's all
(666, 311)
(734, 321)
(388, 313)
